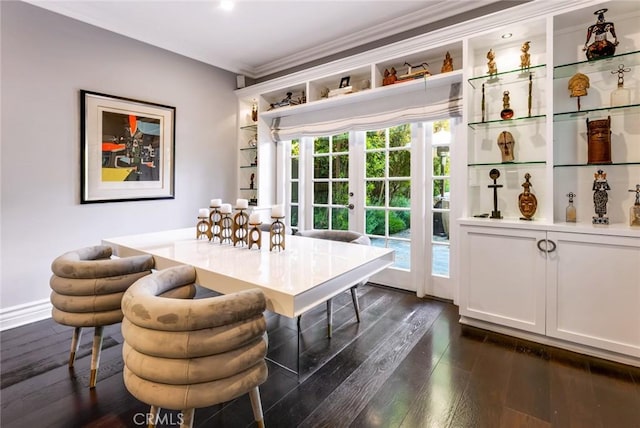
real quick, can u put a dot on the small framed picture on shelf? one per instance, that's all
(344, 82)
(127, 149)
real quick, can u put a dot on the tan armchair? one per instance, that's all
(344, 236)
(87, 287)
(184, 354)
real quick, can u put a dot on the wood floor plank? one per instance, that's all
(529, 390)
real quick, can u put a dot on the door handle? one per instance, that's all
(350, 206)
(546, 248)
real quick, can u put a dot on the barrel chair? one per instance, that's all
(344, 236)
(87, 287)
(182, 353)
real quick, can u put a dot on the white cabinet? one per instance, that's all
(593, 291)
(503, 277)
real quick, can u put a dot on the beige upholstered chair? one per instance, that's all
(185, 354)
(88, 286)
(344, 236)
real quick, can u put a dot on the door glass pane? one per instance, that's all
(440, 259)
(320, 193)
(441, 161)
(400, 136)
(321, 167)
(340, 143)
(340, 194)
(340, 219)
(294, 215)
(375, 222)
(320, 217)
(441, 193)
(294, 192)
(340, 166)
(400, 163)
(375, 164)
(375, 196)
(294, 168)
(399, 224)
(321, 145)
(399, 193)
(376, 139)
(441, 227)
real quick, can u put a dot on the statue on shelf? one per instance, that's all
(447, 65)
(491, 64)
(578, 85)
(494, 174)
(507, 112)
(525, 58)
(601, 47)
(634, 212)
(527, 201)
(599, 141)
(254, 112)
(620, 96)
(251, 182)
(390, 77)
(505, 144)
(600, 197)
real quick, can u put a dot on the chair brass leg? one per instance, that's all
(95, 355)
(330, 318)
(75, 344)
(356, 305)
(187, 418)
(256, 405)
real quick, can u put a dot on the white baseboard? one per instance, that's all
(16, 316)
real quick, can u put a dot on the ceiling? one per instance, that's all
(259, 37)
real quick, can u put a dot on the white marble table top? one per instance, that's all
(308, 272)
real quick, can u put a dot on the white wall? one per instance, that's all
(46, 60)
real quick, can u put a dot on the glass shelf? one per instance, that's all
(510, 122)
(601, 64)
(249, 188)
(573, 165)
(507, 164)
(248, 166)
(584, 114)
(506, 77)
(248, 148)
(253, 128)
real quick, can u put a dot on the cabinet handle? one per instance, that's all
(547, 242)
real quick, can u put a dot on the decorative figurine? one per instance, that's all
(620, 96)
(600, 197)
(578, 85)
(447, 65)
(506, 143)
(634, 211)
(491, 64)
(253, 176)
(389, 77)
(411, 74)
(527, 201)
(525, 58)
(254, 112)
(601, 47)
(506, 112)
(495, 174)
(570, 213)
(529, 98)
(599, 141)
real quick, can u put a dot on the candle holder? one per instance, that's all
(255, 235)
(240, 227)
(214, 220)
(226, 228)
(276, 234)
(203, 228)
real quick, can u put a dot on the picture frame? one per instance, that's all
(344, 82)
(127, 149)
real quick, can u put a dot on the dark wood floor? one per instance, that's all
(407, 364)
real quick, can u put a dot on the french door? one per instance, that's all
(380, 183)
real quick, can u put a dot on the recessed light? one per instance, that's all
(226, 5)
(506, 35)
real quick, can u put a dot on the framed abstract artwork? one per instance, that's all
(127, 149)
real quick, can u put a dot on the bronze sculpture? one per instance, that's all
(601, 47)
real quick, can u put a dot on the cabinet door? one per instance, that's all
(593, 295)
(503, 277)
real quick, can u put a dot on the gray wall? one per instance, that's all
(46, 60)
